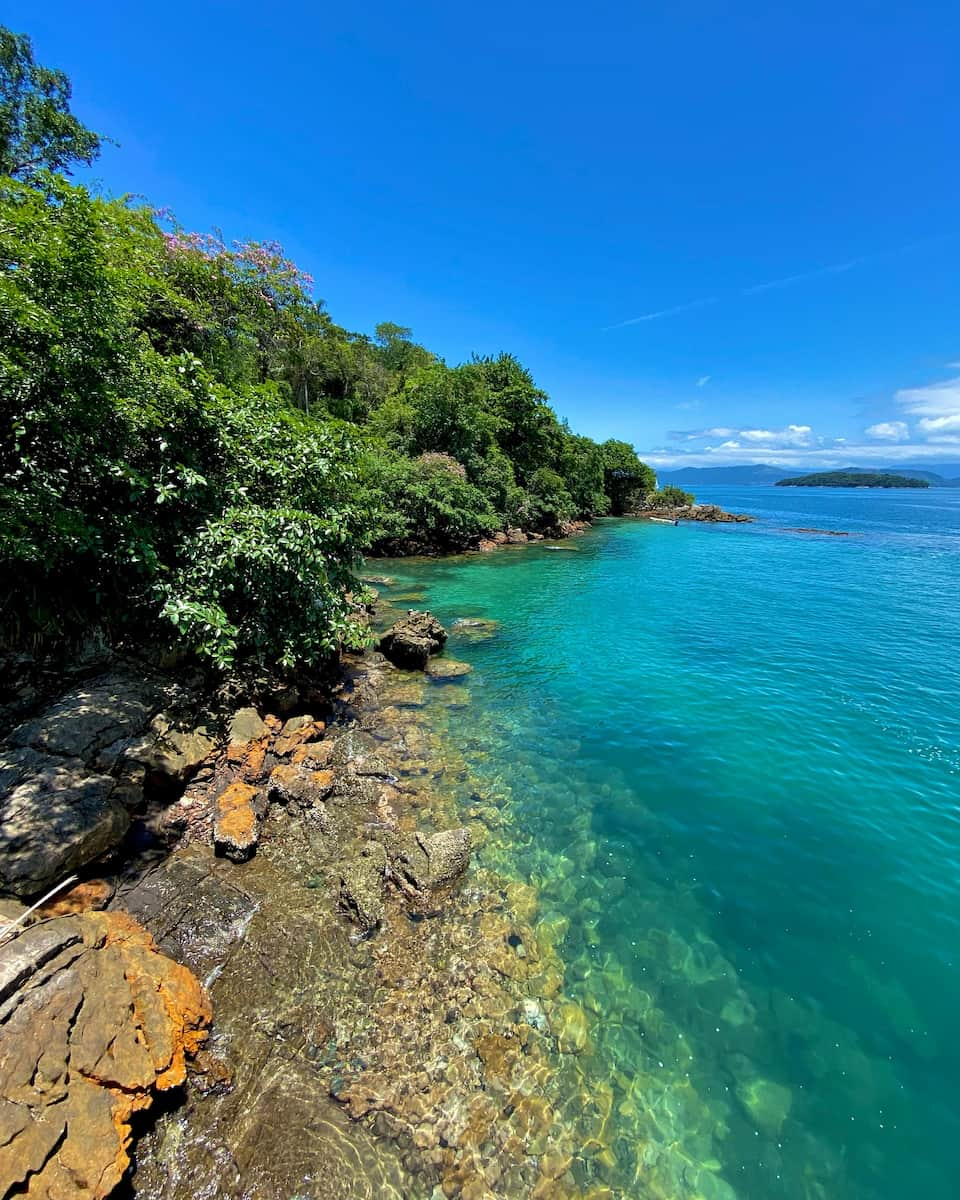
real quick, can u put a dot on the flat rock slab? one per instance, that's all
(447, 668)
(88, 720)
(93, 1024)
(60, 817)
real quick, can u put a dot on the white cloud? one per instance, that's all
(937, 406)
(793, 435)
(703, 381)
(889, 431)
(816, 458)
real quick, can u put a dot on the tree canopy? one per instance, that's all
(191, 448)
(37, 128)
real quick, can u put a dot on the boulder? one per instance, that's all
(174, 753)
(298, 784)
(236, 828)
(429, 860)
(247, 725)
(516, 537)
(92, 722)
(448, 854)
(59, 817)
(411, 640)
(361, 885)
(94, 1023)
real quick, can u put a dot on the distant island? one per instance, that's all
(860, 479)
(937, 474)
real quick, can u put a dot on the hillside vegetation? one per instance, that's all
(194, 450)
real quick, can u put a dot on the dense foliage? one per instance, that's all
(876, 479)
(669, 497)
(192, 447)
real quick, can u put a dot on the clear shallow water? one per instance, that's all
(729, 759)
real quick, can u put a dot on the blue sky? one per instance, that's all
(726, 233)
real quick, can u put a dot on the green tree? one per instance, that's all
(582, 467)
(527, 431)
(37, 128)
(626, 478)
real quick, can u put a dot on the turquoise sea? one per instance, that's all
(728, 757)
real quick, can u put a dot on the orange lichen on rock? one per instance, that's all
(90, 893)
(94, 1021)
(235, 830)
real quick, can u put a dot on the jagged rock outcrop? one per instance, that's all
(411, 640)
(94, 1022)
(695, 512)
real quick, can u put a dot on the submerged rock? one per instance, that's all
(447, 668)
(475, 629)
(411, 640)
(94, 1022)
(765, 1102)
(448, 854)
(361, 885)
(425, 861)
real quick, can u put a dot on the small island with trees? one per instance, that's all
(858, 479)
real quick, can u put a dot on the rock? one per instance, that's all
(411, 640)
(487, 544)
(90, 719)
(300, 785)
(500, 538)
(59, 818)
(448, 854)
(247, 725)
(295, 733)
(516, 537)
(83, 896)
(712, 513)
(235, 827)
(173, 753)
(98, 1022)
(361, 885)
(766, 1103)
(447, 668)
(426, 861)
(475, 629)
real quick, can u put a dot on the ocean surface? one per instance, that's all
(728, 758)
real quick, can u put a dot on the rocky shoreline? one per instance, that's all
(385, 1021)
(710, 513)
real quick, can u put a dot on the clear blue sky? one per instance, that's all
(606, 190)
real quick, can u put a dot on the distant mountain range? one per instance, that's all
(936, 474)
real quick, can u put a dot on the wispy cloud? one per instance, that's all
(703, 381)
(837, 453)
(788, 281)
(666, 312)
(803, 277)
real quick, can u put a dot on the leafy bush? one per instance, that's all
(668, 497)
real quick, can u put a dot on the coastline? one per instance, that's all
(439, 1050)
